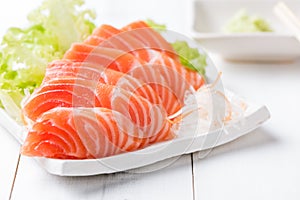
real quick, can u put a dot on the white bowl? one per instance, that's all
(209, 18)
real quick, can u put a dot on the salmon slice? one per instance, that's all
(192, 78)
(95, 55)
(81, 133)
(94, 40)
(167, 88)
(90, 71)
(105, 31)
(151, 38)
(109, 58)
(169, 85)
(116, 60)
(137, 34)
(110, 37)
(70, 92)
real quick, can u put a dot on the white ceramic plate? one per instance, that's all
(188, 139)
(209, 17)
(183, 144)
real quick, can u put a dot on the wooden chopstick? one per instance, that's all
(286, 15)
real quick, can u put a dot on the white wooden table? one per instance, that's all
(261, 165)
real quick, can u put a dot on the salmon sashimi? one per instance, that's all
(113, 93)
(162, 88)
(90, 71)
(89, 53)
(112, 58)
(151, 38)
(170, 86)
(81, 133)
(193, 78)
(105, 31)
(135, 36)
(117, 39)
(146, 44)
(177, 79)
(94, 40)
(70, 92)
(110, 37)
(125, 41)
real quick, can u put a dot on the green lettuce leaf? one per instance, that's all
(25, 52)
(156, 26)
(189, 57)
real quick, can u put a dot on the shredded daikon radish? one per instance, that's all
(209, 108)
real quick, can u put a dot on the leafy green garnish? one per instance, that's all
(156, 26)
(25, 52)
(189, 57)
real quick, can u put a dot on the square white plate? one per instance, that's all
(190, 138)
(185, 143)
(209, 18)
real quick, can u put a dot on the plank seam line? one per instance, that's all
(15, 177)
(193, 177)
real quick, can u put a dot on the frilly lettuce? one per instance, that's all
(25, 52)
(190, 57)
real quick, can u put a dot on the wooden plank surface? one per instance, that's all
(9, 154)
(265, 163)
(172, 181)
(10, 15)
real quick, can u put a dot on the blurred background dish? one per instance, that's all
(254, 34)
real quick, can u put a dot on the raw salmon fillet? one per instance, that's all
(81, 133)
(110, 94)
(169, 79)
(96, 72)
(75, 93)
